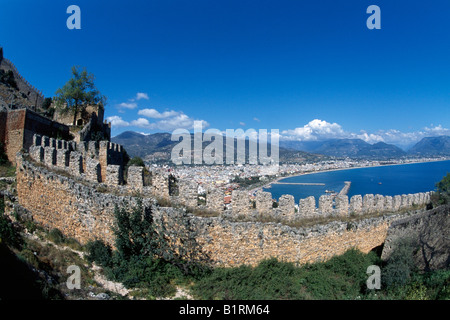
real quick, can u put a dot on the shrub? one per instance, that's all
(444, 185)
(47, 103)
(443, 191)
(342, 277)
(8, 233)
(400, 265)
(29, 257)
(99, 252)
(8, 78)
(3, 156)
(56, 236)
(143, 257)
(73, 243)
(136, 161)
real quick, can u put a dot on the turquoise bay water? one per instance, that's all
(384, 180)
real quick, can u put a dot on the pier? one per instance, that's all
(345, 189)
(301, 183)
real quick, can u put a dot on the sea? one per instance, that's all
(388, 180)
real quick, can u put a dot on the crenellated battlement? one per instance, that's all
(101, 162)
(89, 160)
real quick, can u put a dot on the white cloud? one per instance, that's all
(153, 113)
(242, 124)
(141, 95)
(180, 121)
(166, 121)
(129, 105)
(141, 123)
(117, 121)
(317, 130)
(407, 139)
(367, 137)
(256, 119)
(437, 131)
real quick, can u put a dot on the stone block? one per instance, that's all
(264, 203)
(81, 147)
(93, 170)
(341, 205)
(135, 177)
(92, 149)
(356, 205)
(45, 141)
(379, 203)
(49, 156)
(368, 203)
(388, 204)
(307, 207)
(114, 175)
(76, 163)
(286, 206)
(160, 184)
(37, 140)
(325, 205)
(52, 142)
(396, 203)
(37, 153)
(72, 146)
(240, 202)
(62, 158)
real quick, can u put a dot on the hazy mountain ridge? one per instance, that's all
(432, 146)
(158, 147)
(352, 148)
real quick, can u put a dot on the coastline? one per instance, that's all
(267, 185)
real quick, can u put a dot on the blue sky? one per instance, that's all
(311, 69)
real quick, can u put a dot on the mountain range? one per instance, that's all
(157, 147)
(351, 148)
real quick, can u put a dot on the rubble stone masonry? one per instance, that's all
(82, 212)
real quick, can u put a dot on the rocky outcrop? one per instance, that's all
(429, 231)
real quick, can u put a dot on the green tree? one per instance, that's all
(78, 93)
(136, 161)
(47, 103)
(442, 196)
(443, 186)
(3, 156)
(136, 234)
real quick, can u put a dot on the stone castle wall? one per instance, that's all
(89, 161)
(82, 212)
(33, 94)
(17, 128)
(59, 182)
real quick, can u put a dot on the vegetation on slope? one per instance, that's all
(35, 267)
